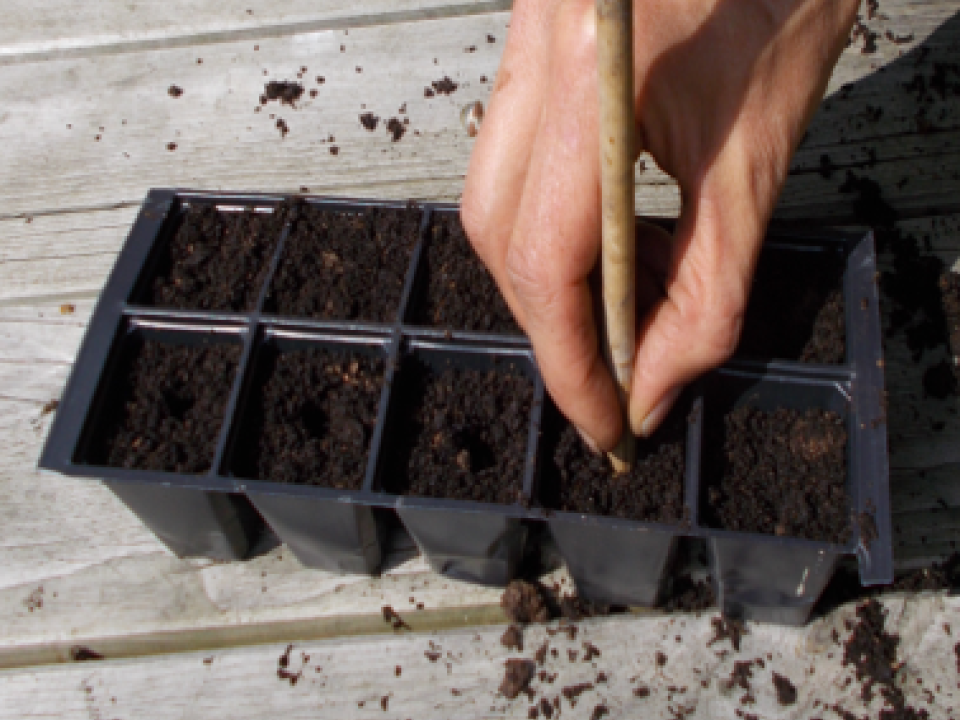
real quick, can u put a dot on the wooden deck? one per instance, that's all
(85, 125)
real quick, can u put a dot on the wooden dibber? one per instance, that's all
(617, 157)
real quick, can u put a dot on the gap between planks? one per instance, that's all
(205, 639)
(256, 33)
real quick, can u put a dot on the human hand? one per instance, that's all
(724, 92)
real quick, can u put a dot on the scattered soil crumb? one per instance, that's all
(590, 651)
(599, 711)
(369, 121)
(546, 708)
(286, 92)
(573, 692)
(81, 653)
(512, 638)
(641, 691)
(727, 629)
(445, 86)
(661, 659)
(393, 617)
(396, 128)
(786, 690)
(516, 677)
(171, 146)
(174, 91)
(541, 655)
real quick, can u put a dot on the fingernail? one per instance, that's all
(589, 441)
(653, 418)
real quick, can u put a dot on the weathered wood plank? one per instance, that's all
(358, 678)
(40, 30)
(221, 143)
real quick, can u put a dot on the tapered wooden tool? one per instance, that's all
(617, 156)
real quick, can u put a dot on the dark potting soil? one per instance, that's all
(312, 420)
(460, 292)
(167, 407)
(462, 433)
(577, 480)
(779, 473)
(345, 266)
(795, 310)
(216, 260)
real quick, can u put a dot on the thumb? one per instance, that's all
(696, 327)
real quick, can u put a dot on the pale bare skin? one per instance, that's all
(724, 92)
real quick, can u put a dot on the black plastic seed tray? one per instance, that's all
(211, 498)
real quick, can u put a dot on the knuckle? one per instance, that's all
(530, 277)
(712, 311)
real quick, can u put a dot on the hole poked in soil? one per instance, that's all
(460, 427)
(310, 414)
(574, 479)
(775, 458)
(796, 309)
(164, 403)
(345, 265)
(216, 260)
(456, 291)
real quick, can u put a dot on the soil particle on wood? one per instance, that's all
(444, 86)
(369, 121)
(345, 266)
(541, 654)
(81, 653)
(166, 407)
(312, 420)
(392, 617)
(727, 629)
(599, 712)
(512, 638)
(786, 690)
(573, 692)
(577, 480)
(396, 129)
(779, 473)
(171, 146)
(285, 91)
(523, 602)
(460, 292)
(661, 659)
(282, 127)
(174, 91)
(795, 310)
(740, 675)
(590, 651)
(462, 434)
(873, 653)
(517, 675)
(216, 260)
(546, 708)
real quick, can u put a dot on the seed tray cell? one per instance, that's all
(233, 501)
(470, 538)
